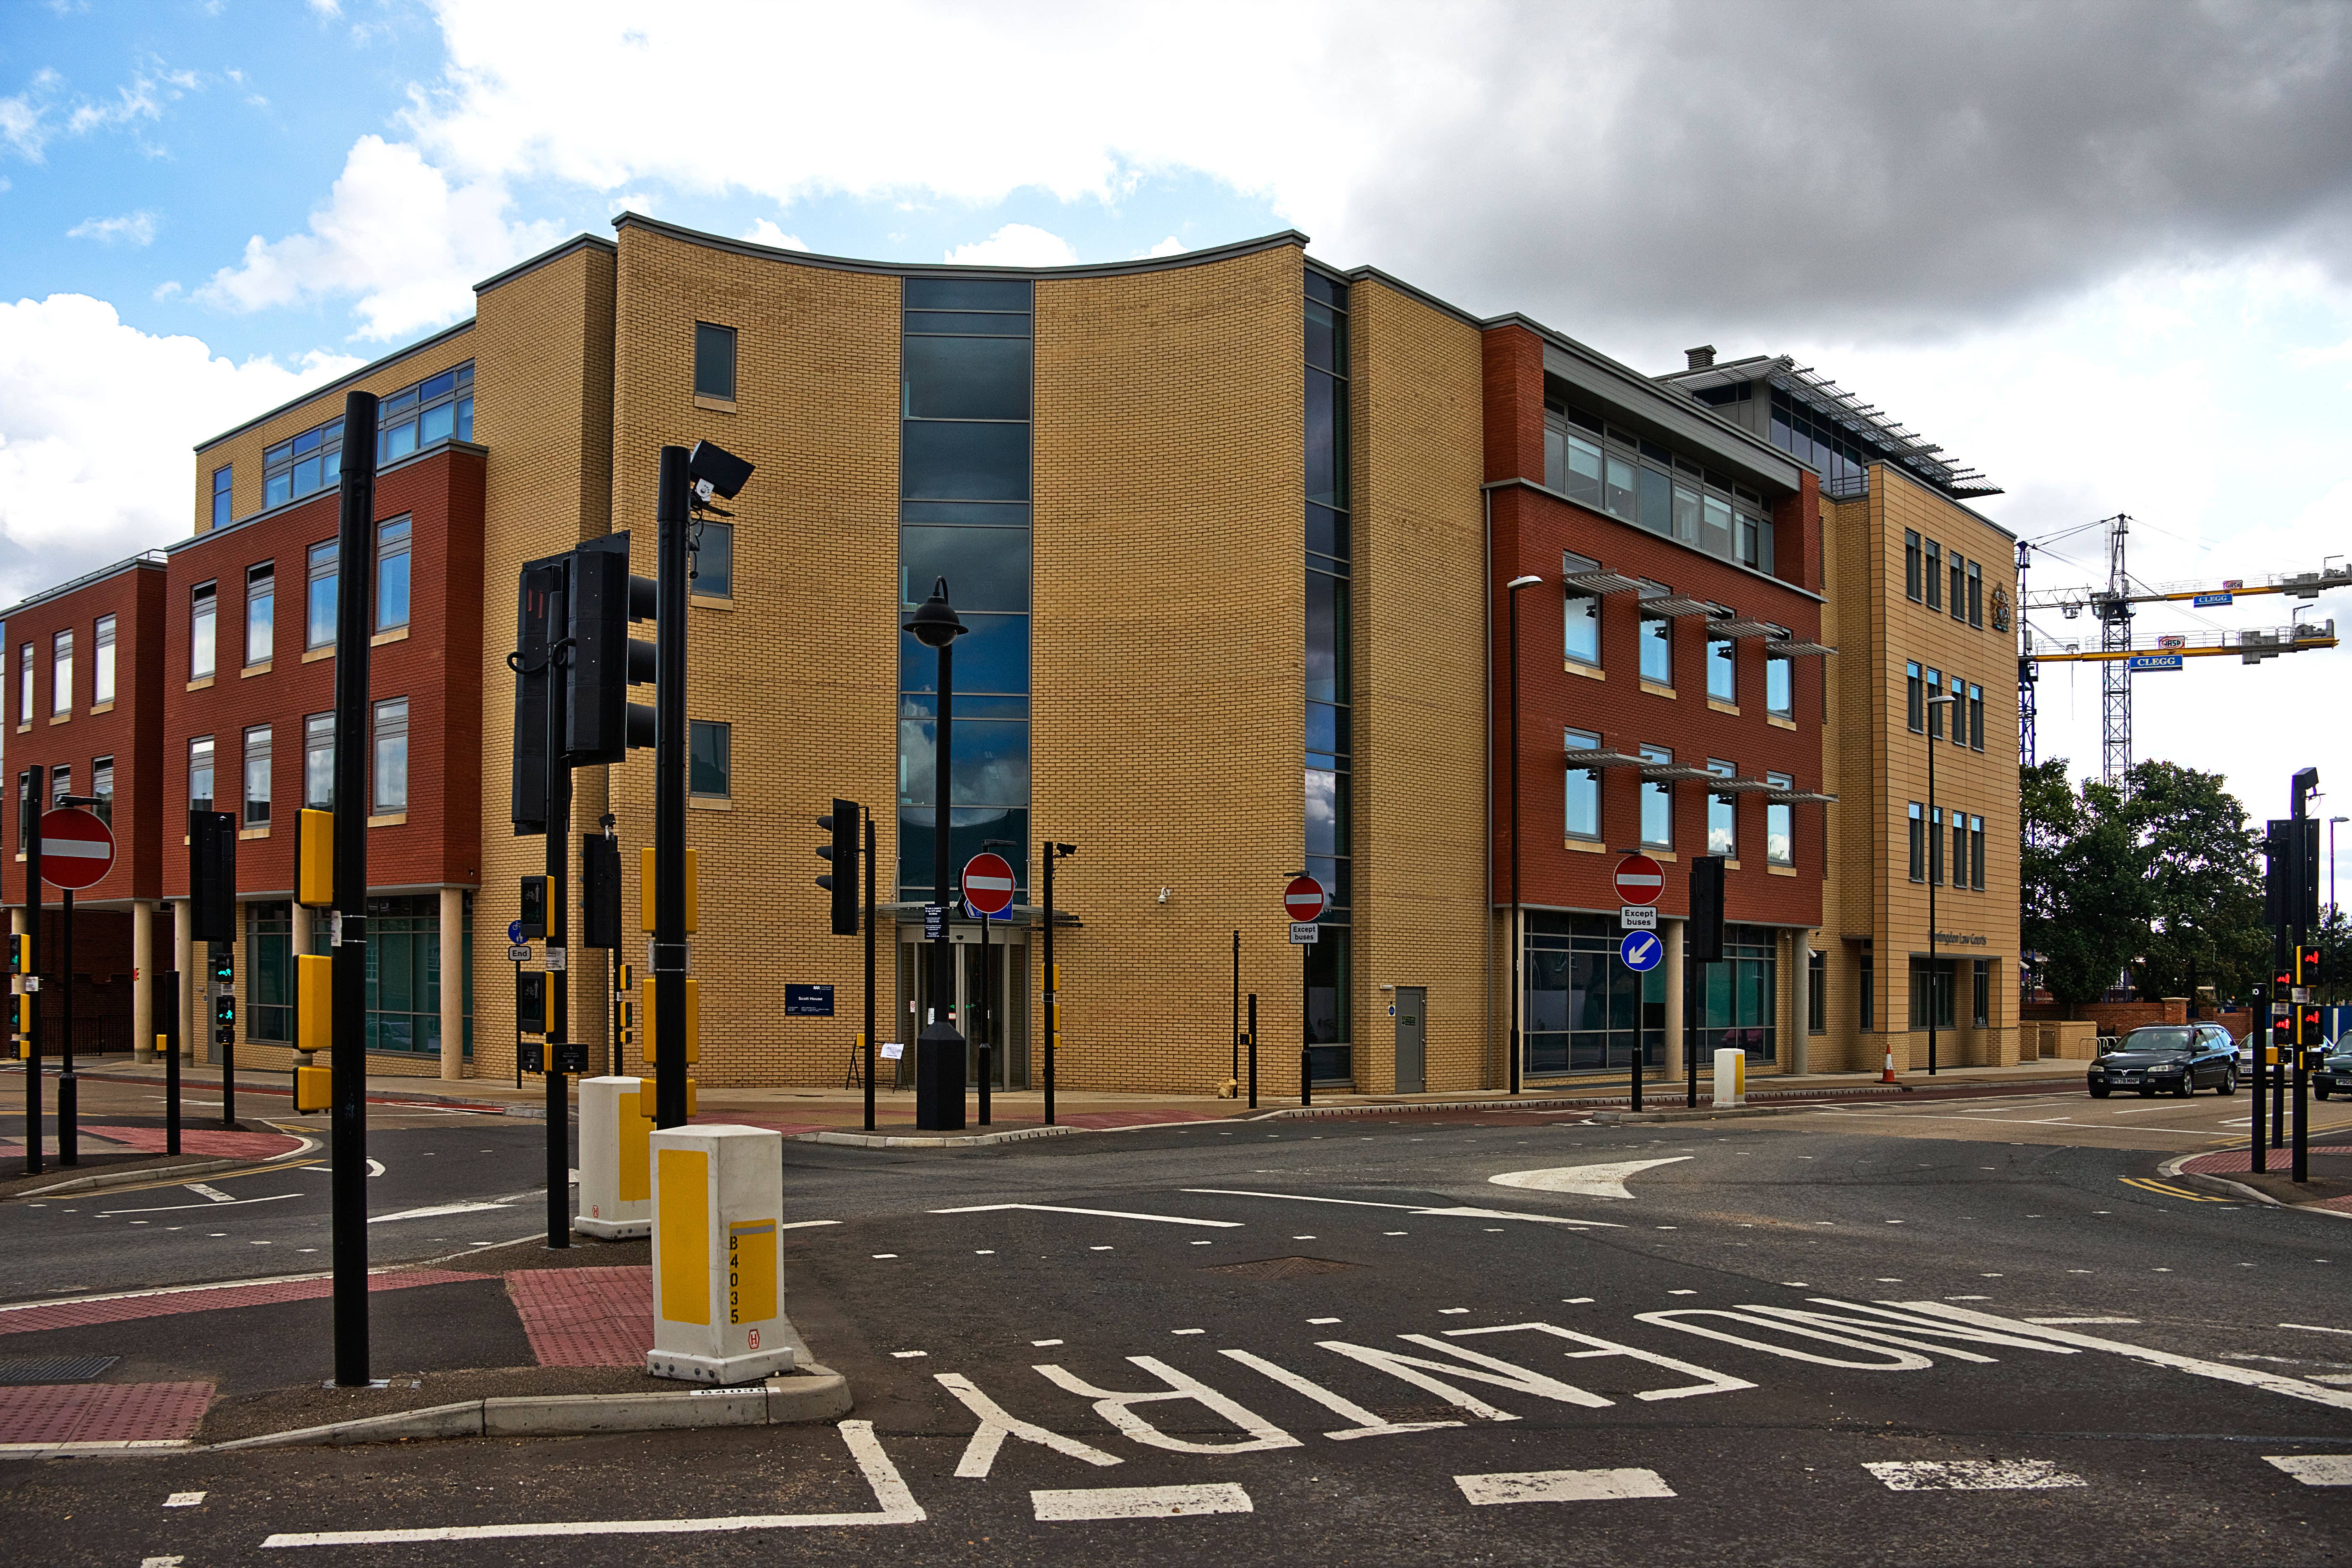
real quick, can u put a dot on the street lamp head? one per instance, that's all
(1516, 583)
(1932, 701)
(934, 621)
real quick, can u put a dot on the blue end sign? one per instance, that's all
(2153, 661)
(2207, 601)
(1641, 950)
(808, 1001)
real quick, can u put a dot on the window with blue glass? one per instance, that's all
(1738, 1009)
(438, 408)
(1330, 750)
(1614, 470)
(965, 393)
(221, 497)
(1585, 1011)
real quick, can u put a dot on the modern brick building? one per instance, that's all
(1230, 532)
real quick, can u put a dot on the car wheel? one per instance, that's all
(2100, 1093)
(2147, 1093)
(2229, 1084)
(2320, 1092)
(2187, 1086)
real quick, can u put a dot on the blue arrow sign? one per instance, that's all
(2154, 661)
(514, 931)
(1641, 950)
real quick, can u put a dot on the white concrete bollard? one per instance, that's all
(719, 1282)
(1731, 1079)
(615, 1177)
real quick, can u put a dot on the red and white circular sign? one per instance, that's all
(77, 848)
(988, 884)
(1640, 880)
(1304, 899)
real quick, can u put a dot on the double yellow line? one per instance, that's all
(2147, 1185)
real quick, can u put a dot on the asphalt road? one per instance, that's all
(1345, 1340)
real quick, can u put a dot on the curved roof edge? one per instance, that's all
(948, 269)
(343, 382)
(546, 257)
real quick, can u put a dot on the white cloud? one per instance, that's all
(396, 234)
(1016, 245)
(23, 116)
(136, 228)
(1172, 245)
(142, 98)
(764, 231)
(97, 424)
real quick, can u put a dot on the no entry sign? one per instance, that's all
(77, 848)
(987, 884)
(1640, 880)
(1303, 899)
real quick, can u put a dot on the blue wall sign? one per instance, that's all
(808, 1001)
(2207, 601)
(1642, 950)
(514, 932)
(2153, 661)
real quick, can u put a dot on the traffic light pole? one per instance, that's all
(1053, 984)
(2258, 1035)
(354, 601)
(868, 815)
(37, 777)
(669, 790)
(558, 899)
(168, 985)
(69, 1091)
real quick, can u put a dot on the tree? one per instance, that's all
(2084, 878)
(2205, 895)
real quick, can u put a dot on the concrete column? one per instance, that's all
(142, 993)
(1800, 999)
(183, 959)
(1673, 931)
(453, 982)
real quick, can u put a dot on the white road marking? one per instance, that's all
(1188, 1330)
(1560, 1486)
(907, 1355)
(1368, 1424)
(1584, 1181)
(1971, 1474)
(2315, 1469)
(1409, 1208)
(436, 1212)
(1323, 1320)
(1119, 1407)
(805, 1223)
(2271, 1381)
(183, 1499)
(161, 1561)
(169, 1208)
(1099, 1214)
(2058, 1320)
(1139, 1502)
(2313, 1328)
(203, 1191)
(894, 1505)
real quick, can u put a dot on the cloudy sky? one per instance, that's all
(2102, 251)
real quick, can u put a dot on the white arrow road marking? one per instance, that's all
(1584, 1181)
(1099, 1214)
(1409, 1208)
(1139, 1502)
(895, 1504)
(2315, 1469)
(1971, 1474)
(433, 1212)
(1561, 1486)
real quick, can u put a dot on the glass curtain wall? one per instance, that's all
(1586, 1012)
(1328, 750)
(964, 513)
(1742, 995)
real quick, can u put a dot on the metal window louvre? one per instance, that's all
(1669, 772)
(1799, 797)
(1593, 578)
(1676, 605)
(1600, 757)
(1738, 626)
(1790, 649)
(1740, 787)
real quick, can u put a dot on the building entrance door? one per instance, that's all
(1411, 1038)
(1000, 985)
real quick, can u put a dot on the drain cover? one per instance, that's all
(54, 1368)
(1280, 1267)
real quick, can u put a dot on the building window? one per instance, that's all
(1723, 814)
(25, 683)
(1740, 996)
(1658, 800)
(1960, 569)
(303, 466)
(260, 613)
(1934, 575)
(1585, 1011)
(1583, 789)
(1658, 650)
(257, 776)
(319, 631)
(709, 764)
(1936, 848)
(1817, 992)
(1614, 470)
(1959, 707)
(392, 557)
(204, 626)
(318, 762)
(714, 362)
(101, 788)
(1976, 594)
(1931, 994)
(435, 409)
(1779, 840)
(1910, 563)
(199, 773)
(1976, 717)
(1915, 699)
(1960, 850)
(1981, 1007)
(390, 789)
(406, 970)
(1918, 843)
(60, 786)
(101, 662)
(1977, 853)
(1780, 687)
(1722, 670)
(221, 497)
(1583, 621)
(268, 971)
(61, 672)
(711, 567)
(1935, 709)
(1865, 991)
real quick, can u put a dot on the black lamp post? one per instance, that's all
(940, 1048)
(1518, 946)
(1935, 849)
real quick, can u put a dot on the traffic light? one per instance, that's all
(2306, 964)
(20, 955)
(2282, 1020)
(212, 876)
(842, 821)
(600, 893)
(1703, 939)
(531, 1002)
(224, 973)
(539, 594)
(533, 914)
(600, 721)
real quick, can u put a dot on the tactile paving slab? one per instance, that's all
(102, 1412)
(587, 1317)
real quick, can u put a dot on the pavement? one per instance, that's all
(1960, 1330)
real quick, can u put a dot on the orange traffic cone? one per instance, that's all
(1888, 1076)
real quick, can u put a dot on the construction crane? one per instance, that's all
(2119, 653)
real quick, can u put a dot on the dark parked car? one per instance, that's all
(2334, 1074)
(2179, 1058)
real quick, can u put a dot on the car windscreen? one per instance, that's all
(2161, 1039)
